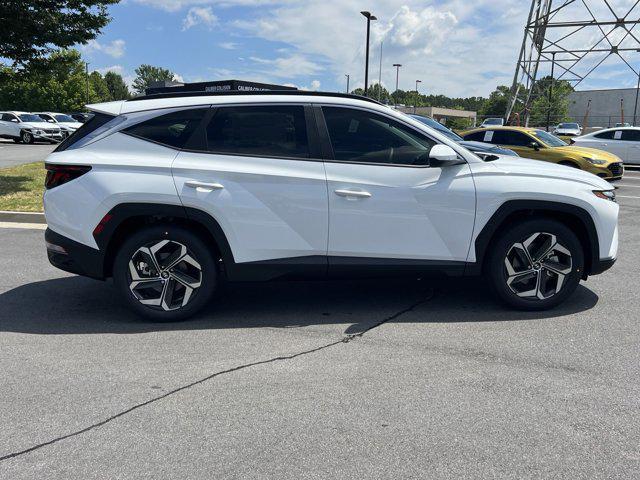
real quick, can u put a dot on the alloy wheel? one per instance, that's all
(536, 268)
(164, 275)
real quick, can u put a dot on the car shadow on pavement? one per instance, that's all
(77, 305)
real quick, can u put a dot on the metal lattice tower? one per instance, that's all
(569, 40)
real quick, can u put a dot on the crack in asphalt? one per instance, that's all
(345, 339)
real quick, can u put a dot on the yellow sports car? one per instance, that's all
(541, 145)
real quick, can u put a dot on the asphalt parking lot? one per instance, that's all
(368, 379)
(12, 153)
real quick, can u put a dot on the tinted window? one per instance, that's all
(360, 136)
(606, 135)
(475, 136)
(508, 137)
(171, 129)
(270, 131)
(631, 135)
(549, 139)
(97, 121)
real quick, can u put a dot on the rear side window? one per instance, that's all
(605, 135)
(475, 136)
(172, 129)
(270, 131)
(95, 122)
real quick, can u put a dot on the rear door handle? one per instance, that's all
(203, 185)
(353, 193)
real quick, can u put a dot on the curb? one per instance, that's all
(22, 217)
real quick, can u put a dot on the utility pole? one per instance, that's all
(347, 75)
(380, 74)
(86, 74)
(397, 65)
(635, 107)
(553, 63)
(369, 18)
(415, 104)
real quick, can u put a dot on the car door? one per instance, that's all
(631, 150)
(10, 125)
(257, 172)
(386, 202)
(519, 142)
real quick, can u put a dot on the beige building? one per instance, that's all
(441, 114)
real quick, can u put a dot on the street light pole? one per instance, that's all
(380, 74)
(397, 65)
(86, 74)
(369, 18)
(415, 104)
(347, 75)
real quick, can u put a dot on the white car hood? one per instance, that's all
(74, 125)
(541, 169)
(39, 125)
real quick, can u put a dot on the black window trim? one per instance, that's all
(327, 148)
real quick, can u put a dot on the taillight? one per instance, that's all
(60, 174)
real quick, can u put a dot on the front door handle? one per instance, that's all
(353, 193)
(203, 185)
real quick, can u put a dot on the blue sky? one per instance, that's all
(456, 47)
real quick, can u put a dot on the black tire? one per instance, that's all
(519, 233)
(196, 249)
(26, 138)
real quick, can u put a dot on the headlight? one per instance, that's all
(605, 194)
(595, 161)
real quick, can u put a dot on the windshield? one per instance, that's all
(64, 118)
(548, 139)
(568, 125)
(493, 121)
(28, 117)
(430, 122)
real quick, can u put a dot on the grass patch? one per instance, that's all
(21, 187)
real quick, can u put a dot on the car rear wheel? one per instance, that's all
(536, 265)
(165, 273)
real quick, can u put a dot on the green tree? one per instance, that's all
(148, 74)
(32, 29)
(118, 89)
(558, 109)
(56, 83)
(98, 89)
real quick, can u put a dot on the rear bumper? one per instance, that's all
(602, 266)
(74, 257)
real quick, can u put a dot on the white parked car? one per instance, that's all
(568, 129)
(26, 128)
(623, 142)
(169, 194)
(492, 122)
(67, 124)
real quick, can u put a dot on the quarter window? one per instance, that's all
(270, 131)
(359, 136)
(172, 129)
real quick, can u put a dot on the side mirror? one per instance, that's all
(444, 154)
(14, 120)
(535, 146)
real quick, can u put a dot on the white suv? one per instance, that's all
(26, 128)
(67, 124)
(171, 194)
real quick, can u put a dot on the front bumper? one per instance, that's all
(74, 257)
(613, 171)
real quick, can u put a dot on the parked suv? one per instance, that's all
(26, 128)
(170, 194)
(67, 124)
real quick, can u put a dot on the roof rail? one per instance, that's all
(154, 96)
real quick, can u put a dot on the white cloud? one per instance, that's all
(176, 5)
(119, 69)
(295, 65)
(114, 49)
(199, 16)
(228, 45)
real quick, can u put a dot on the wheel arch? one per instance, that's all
(576, 218)
(124, 219)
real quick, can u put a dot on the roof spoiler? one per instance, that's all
(110, 108)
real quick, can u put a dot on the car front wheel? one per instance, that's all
(26, 137)
(536, 264)
(165, 273)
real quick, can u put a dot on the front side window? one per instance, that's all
(172, 129)
(269, 131)
(359, 136)
(511, 138)
(606, 135)
(631, 135)
(548, 139)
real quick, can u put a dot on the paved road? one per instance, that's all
(272, 383)
(16, 153)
